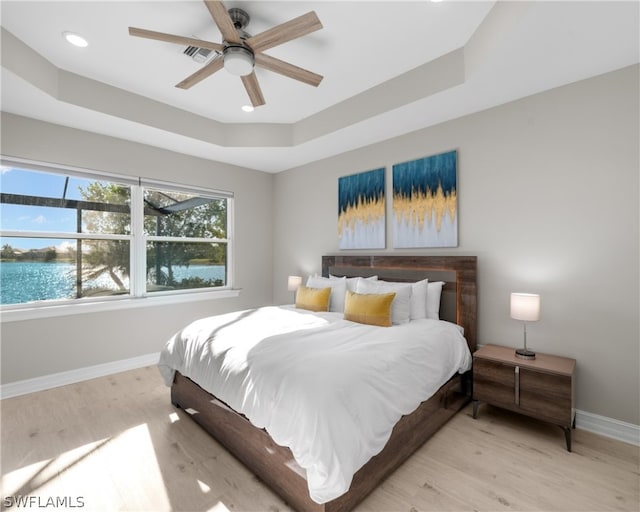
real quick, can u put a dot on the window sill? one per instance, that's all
(42, 311)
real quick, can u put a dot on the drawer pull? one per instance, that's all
(517, 397)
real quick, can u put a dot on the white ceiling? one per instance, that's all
(466, 57)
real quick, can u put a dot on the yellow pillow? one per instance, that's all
(313, 299)
(369, 308)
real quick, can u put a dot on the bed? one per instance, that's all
(267, 443)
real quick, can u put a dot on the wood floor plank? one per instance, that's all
(117, 443)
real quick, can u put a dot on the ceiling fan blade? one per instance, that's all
(252, 86)
(288, 70)
(170, 38)
(222, 19)
(292, 29)
(205, 71)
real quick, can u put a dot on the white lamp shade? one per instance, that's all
(525, 306)
(293, 283)
(238, 60)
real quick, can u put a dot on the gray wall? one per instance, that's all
(548, 201)
(35, 348)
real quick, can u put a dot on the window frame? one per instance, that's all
(137, 296)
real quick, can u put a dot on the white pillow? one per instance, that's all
(434, 290)
(419, 299)
(418, 302)
(338, 290)
(401, 305)
(352, 282)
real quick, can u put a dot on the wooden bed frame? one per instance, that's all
(275, 465)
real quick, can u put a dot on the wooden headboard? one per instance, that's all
(458, 302)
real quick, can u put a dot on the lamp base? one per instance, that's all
(523, 353)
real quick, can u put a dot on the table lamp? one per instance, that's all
(293, 282)
(525, 307)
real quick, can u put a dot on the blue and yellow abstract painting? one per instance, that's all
(361, 210)
(425, 202)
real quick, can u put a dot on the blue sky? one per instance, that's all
(23, 218)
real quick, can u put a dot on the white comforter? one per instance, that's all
(329, 389)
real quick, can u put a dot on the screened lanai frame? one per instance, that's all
(137, 276)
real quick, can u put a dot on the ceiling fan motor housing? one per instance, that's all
(239, 18)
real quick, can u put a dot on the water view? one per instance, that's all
(22, 282)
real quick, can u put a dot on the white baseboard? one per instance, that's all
(54, 380)
(609, 427)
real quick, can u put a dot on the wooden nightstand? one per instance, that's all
(542, 388)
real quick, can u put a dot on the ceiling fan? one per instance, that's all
(240, 52)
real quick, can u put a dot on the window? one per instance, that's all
(186, 238)
(71, 236)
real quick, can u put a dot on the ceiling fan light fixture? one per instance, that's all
(238, 60)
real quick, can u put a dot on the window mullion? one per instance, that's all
(230, 224)
(62, 234)
(137, 279)
(161, 238)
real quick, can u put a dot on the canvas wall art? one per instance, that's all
(425, 202)
(361, 210)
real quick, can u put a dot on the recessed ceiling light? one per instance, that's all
(75, 39)
(247, 108)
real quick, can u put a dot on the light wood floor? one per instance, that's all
(116, 443)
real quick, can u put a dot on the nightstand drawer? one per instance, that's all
(494, 382)
(547, 396)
